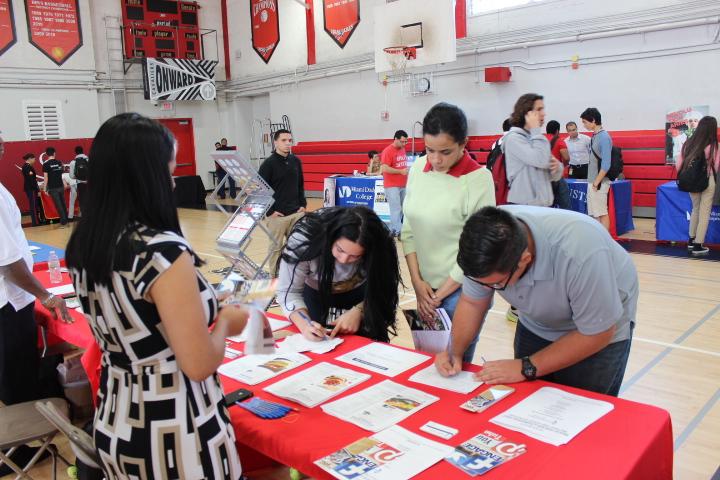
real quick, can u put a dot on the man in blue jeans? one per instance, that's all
(574, 287)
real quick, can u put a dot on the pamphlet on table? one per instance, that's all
(379, 406)
(383, 358)
(253, 369)
(484, 452)
(298, 343)
(393, 454)
(463, 382)
(316, 384)
(431, 336)
(552, 415)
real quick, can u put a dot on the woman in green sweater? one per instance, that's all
(444, 188)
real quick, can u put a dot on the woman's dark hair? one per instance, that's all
(523, 105)
(372, 153)
(705, 134)
(28, 156)
(553, 127)
(492, 241)
(448, 119)
(592, 114)
(319, 230)
(128, 182)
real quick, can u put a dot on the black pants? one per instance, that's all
(561, 192)
(58, 197)
(32, 196)
(231, 182)
(578, 172)
(82, 196)
(601, 372)
(19, 363)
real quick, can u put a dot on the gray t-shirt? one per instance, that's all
(580, 278)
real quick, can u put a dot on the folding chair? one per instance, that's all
(81, 443)
(20, 424)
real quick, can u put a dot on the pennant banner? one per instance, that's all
(7, 26)
(179, 79)
(265, 27)
(341, 19)
(54, 27)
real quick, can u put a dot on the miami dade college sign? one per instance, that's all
(178, 79)
(264, 27)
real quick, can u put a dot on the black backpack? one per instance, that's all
(616, 162)
(493, 155)
(81, 168)
(693, 175)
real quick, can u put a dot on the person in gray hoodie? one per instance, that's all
(529, 163)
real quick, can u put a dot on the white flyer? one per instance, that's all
(298, 343)
(62, 290)
(392, 454)
(253, 369)
(274, 325)
(552, 415)
(383, 358)
(379, 406)
(463, 382)
(317, 384)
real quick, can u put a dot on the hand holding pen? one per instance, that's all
(313, 330)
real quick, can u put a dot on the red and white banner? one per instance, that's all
(341, 19)
(7, 26)
(54, 27)
(265, 27)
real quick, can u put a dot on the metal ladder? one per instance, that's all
(115, 63)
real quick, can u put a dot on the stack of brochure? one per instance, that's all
(484, 452)
(253, 369)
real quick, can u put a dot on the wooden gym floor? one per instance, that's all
(675, 357)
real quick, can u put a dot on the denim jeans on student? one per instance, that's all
(395, 197)
(601, 372)
(449, 304)
(231, 183)
(58, 198)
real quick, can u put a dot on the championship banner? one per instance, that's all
(265, 27)
(341, 19)
(7, 26)
(178, 79)
(54, 27)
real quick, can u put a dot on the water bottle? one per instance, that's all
(54, 267)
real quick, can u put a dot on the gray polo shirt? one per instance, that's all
(580, 278)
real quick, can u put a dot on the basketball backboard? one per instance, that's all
(427, 25)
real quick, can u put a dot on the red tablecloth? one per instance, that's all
(78, 333)
(632, 441)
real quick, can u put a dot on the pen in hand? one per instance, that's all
(313, 330)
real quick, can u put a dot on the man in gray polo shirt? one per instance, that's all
(575, 288)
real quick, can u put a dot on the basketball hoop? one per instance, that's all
(399, 55)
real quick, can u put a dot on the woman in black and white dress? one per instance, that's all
(160, 406)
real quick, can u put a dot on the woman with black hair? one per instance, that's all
(340, 270)
(444, 188)
(160, 409)
(703, 145)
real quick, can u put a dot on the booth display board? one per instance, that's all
(54, 28)
(161, 29)
(362, 190)
(8, 37)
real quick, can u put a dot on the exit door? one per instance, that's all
(182, 128)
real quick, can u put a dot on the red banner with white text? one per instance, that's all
(341, 19)
(7, 26)
(54, 27)
(265, 27)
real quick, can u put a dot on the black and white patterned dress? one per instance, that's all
(152, 421)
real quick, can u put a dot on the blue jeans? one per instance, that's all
(231, 182)
(395, 197)
(449, 304)
(601, 372)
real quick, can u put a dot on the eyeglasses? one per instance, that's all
(497, 285)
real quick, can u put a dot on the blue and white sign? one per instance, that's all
(367, 191)
(672, 212)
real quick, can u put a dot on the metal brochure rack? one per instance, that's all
(254, 198)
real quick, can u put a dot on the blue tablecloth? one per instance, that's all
(622, 201)
(360, 190)
(42, 252)
(672, 212)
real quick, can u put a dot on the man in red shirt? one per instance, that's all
(394, 171)
(559, 151)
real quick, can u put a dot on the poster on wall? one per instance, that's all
(7, 26)
(265, 27)
(341, 19)
(54, 27)
(178, 79)
(679, 126)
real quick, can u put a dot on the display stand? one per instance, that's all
(254, 198)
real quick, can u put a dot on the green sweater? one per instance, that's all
(436, 207)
